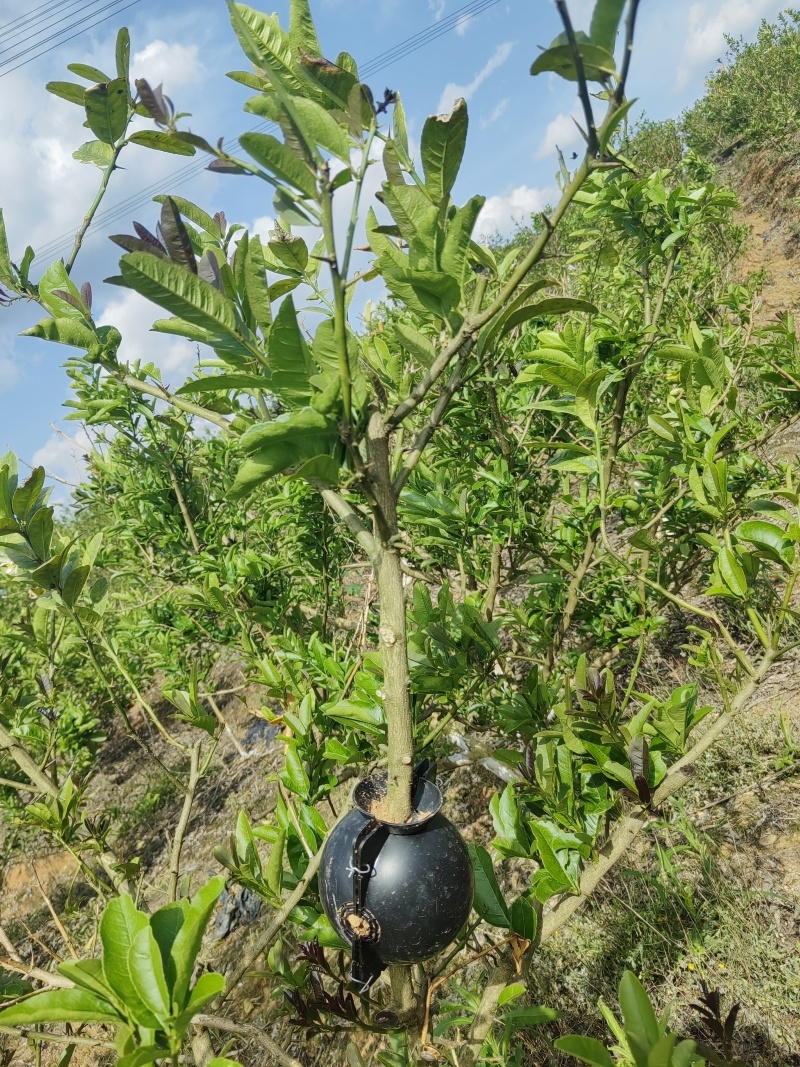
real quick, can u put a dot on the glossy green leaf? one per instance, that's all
(183, 294)
(357, 716)
(280, 161)
(122, 53)
(605, 23)
(60, 1006)
(289, 359)
(147, 973)
(88, 974)
(107, 110)
(511, 992)
(266, 45)
(730, 570)
(90, 73)
(160, 141)
(637, 1011)
(769, 538)
(119, 926)
(194, 214)
(319, 127)
(64, 331)
(189, 937)
(444, 138)
(488, 902)
(458, 239)
(275, 446)
(70, 91)
(302, 32)
(524, 919)
(556, 305)
(586, 1049)
(598, 63)
(256, 285)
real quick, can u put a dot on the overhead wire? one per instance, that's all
(63, 40)
(55, 22)
(7, 30)
(122, 209)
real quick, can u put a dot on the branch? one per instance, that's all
(251, 1033)
(183, 822)
(349, 517)
(274, 927)
(428, 430)
(161, 393)
(593, 144)
(630, 25)
(18, 967)
(27, 764)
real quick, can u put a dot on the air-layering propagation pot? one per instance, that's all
(397, 892)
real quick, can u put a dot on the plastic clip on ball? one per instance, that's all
(396, 892)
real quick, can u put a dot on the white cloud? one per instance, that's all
(560, 133)
(437, 7)
(64, 456)
(705, 35)
(452, 91)
(172, 64)
(133, 315)
(501, 214)
(463, 24)
(499, 111)
(262, 227)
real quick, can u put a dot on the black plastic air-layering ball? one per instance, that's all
(397, 892)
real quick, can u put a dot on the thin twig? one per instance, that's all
(250, 1033)
(59, 926)
(183, 822)
(583, 88)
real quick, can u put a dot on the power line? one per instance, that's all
(50, 8)
(64, 40)
(28, 16)
(55, 22)
(121, 210)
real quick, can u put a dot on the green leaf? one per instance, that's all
(88, 974)
(107, 110)
(289, 360)
(282, 443)
(267, 46)
(274, 872)
(54, 280)
(280, 161)
(194, 214)
(65, 331)
(598, 63)
(6, 270)
(186, 295)
(213, 383)
(207, 986)
(147, 973)
(161, 141)
(319, 127)
(291, 252)
(189, 938)
(61, 1006)
(556, 305)
(488, 901)
(40, 532)
(587, 1049)
(165, 924)
(294, 775)
(524, 919)
(511, 992)
(536, 1015)
(123, 54)
(586, 398)
(369, 719)
(457, 241)
(91, 74)
(637, 1011)
(731, 573)
(444, 138)
(549, 857)
(302, 33)
(416, 343)
(768, 538)
(119, 926)
(96, 152)
(27, 495)
(605, 23)
(75, 94)
(256, 285)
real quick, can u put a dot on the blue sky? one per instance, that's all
(515, 123)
